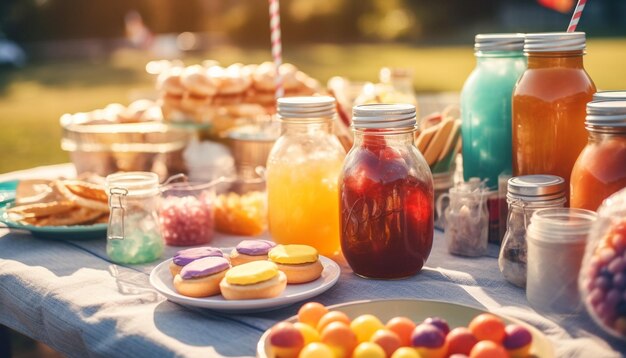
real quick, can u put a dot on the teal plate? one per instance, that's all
(75, 232)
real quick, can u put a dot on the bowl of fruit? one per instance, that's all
(602, 279)
(402, 328)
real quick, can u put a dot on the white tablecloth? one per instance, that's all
(67, 294)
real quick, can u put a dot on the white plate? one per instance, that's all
(456, 315)
(161, 279)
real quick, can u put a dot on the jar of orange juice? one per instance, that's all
(548, 107)
(303, 168)
(601, 167)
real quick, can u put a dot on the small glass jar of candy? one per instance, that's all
(133, 234)
(186, 213)
(467, 218)
(386, 195)
(602, 279)
(526, 194)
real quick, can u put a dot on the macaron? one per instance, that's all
(250, 250)
(300, 263)
(253, 280)
(185, 257)
(201, 278)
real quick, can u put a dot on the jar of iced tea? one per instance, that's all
(386, 195)
(303, 170)
(601, 167)
(549, 105)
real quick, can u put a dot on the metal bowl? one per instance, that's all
(105, 148)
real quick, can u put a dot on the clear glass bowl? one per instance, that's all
(105, 148)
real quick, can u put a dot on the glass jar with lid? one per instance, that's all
(303, 168)
(397, 83)
(386, 195)
(556, 246)
(601, 167)
(133, 235)
(486, 106)
(548, 105)
(466, 218)
(526, 194)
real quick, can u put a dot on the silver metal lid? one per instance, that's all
(555, 42)
(606, 114)
(536, 187)
(306, 107)
(610, 96)
(499, 42)
(379, 116)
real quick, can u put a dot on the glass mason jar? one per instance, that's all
(187, 211)
(133, 235)
(556, 245)
(303, 168)
(466, 218)
(601, 167)
(398, 82)
(549, 105)
(486, 106)
(526, 194)
(386, 195)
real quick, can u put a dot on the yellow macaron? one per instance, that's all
(251, 273)
(300, 263)
(293, 254)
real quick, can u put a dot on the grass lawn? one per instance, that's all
(33, 98)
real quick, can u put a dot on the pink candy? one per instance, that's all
(186, 220)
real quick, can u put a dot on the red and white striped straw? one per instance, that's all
(277, 47)
(578, 11)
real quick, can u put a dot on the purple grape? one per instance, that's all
(617, 265)
(619, 280)
(439, 323)
(602, 282)
(613, 297)
(604, 272)
(621, 309)
(516, 337)
(427, 336)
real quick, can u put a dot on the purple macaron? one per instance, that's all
(204, 267)
(185, 257)
(255, 247)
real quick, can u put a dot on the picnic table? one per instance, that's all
(69, 295)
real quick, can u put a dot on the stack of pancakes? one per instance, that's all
(59, 203)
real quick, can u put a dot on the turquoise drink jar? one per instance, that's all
(486, 106)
